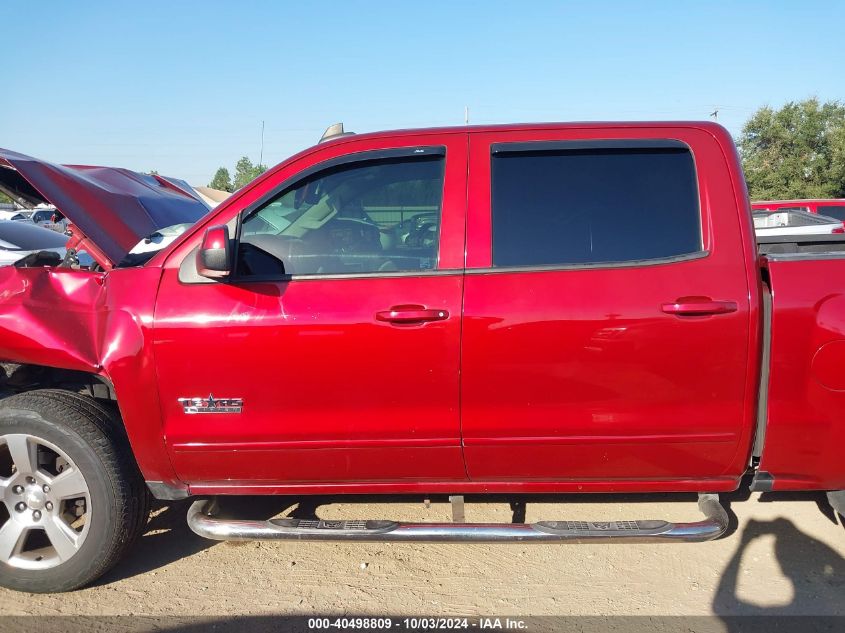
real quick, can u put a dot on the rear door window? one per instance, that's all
(553, 205)
(832, 211)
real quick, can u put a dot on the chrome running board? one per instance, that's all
(713, 526)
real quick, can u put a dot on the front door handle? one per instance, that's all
(698, 306)
(411, 314)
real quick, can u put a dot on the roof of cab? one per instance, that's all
(515, 127)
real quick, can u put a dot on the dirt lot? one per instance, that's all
(786, 555)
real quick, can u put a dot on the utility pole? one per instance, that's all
(261, 156)
(715, 114)
(466, 115)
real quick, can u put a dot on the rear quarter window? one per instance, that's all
(832, 211)
(593, 205)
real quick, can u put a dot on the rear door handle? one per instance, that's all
(698, 306)
(408, 315)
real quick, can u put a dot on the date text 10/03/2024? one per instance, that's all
(417, 623)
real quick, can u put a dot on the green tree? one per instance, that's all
(797, 151)
(246, 172)
(4, 198)
(221, 180)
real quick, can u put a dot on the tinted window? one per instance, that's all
(585, 206)
(833, 211)
(373, 216)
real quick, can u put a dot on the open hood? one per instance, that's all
(115, 208)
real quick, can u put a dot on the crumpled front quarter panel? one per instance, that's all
(99, 323)
(51, 316)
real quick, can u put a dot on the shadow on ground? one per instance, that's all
(815, 571)
(167, 539)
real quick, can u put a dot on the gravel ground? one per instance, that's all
(785, 556)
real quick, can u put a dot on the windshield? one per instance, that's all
(29, 237)
(143, 251)
(277, 216)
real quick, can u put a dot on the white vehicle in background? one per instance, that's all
(158, 240)
(18, 215)
(49, 217)
(794, 222)
(19, 239)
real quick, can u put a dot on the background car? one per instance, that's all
(49, 218)
(834, 208)
(794, 222)
(19, 239)
(22, 215)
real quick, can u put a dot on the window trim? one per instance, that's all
(631, 263)
(422, 151)
(587, 144)
(521, 147)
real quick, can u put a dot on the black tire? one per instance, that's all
(94, 440)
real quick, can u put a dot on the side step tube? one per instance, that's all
(713, 526)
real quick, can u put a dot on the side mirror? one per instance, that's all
(213, 258)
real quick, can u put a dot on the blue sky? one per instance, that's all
(182, 87)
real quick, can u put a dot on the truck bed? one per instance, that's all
(804, 413)
(801, 244)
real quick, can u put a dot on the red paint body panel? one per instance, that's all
(445, 486)
(580, 374)
(312, 364)
(332, 391)
(553, 381)
(805, 434)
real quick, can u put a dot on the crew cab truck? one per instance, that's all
(524, 309)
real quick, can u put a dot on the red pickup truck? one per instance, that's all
(513, 309)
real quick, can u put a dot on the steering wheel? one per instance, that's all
(422, 236)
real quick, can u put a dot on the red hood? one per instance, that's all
(115, 208)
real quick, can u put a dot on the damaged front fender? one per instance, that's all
(93, 322)
(51, 316)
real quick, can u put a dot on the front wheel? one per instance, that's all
(73, 500)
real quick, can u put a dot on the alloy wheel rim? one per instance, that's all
(46, 509)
